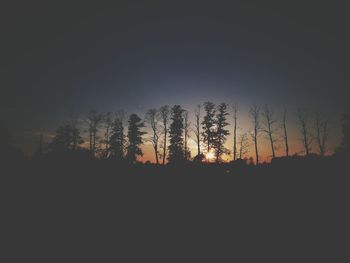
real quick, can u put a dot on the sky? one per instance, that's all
(59, 59)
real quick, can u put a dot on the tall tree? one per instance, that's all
(303, 118)
(73, 123)
(243, 145)
(176, 146)
(134, 138)
(152, 119)
(321, 131)
(67, 138)
(285, 134)
(269, 127)
(117, 138)
(187, 124)
(221, 132)
(197, 127)
(107, 123)
(235, 111)
(94, 121)
(255, 114)
(208, 124)
(164, 112)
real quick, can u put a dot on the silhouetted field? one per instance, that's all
(284, 208)
(283, 174)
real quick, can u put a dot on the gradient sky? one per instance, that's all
(59, 59)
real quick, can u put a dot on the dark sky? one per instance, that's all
(60, 58)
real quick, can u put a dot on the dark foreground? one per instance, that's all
(291, 210)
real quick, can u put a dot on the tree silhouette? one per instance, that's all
(321, 132)
(235, 111)
(208, 124)
(117, 138)
(73, 123)
(175, 124)
(197, 127)
(255, 114)
(67, 138)
(164, 112)
(94, 121)
(134, 138)
(304, 129)
(107, 123)
(285, 134)
(243, 145)
(176, 146)
(187, 124)
(221, 132)
(152, 120)
(269, 129)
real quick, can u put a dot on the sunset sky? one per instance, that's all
(70, 59)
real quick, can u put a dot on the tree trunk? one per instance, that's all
(164, 144)
(272, 146)
(256, 147)
(235, 139)
(306, 145)
(198, 139)
(285, 134)
(156, 153)
(271, 140)
(198, 146)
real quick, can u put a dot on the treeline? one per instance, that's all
(110, 137)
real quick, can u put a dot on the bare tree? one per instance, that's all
(269, 129)
(255, 114)
(73, 122)
(285, 135)
(107, 123)
(235, 110)
(197, 127)
(187, 125)
(164, 112)
(67, 138)
(243, 145)
(152, 119)
(121, 115)
(321, 131)
(303, 119)
(94, 121)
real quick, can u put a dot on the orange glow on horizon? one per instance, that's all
(210, 156)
